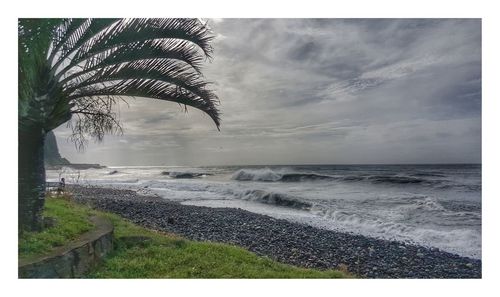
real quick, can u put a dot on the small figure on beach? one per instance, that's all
(62, 184)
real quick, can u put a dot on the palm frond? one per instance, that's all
(156, 89)
(164, 70)
(181, 51)
(85, 65)
(130, 31)
(63, 33)
(74, 37)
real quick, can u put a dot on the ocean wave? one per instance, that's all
(174, 174)
(428, 174)
(269, 175)
(462, 241)
(460, 187)
(278, 199)
(394, 179)
(353, 178)
(428, 204)
(297, 177)
(462, 206)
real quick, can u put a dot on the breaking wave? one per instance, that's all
(462, 241)
(278, 199)
(428, 204)
(269, 175)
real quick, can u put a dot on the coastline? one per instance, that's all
(281, 240)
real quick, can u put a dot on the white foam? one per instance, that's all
(265, 174)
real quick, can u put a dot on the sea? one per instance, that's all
(437, 206)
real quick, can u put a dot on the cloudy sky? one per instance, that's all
(307, 91)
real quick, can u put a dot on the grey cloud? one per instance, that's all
(319, 91)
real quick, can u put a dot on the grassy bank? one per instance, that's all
(70, 220)
(143, 253)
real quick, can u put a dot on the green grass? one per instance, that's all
(71, 221)
(164, 255)
(170, 256)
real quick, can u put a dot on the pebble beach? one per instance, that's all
(282, 240)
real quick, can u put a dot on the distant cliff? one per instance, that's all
(52, 156)
(53, 159)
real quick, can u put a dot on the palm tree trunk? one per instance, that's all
(31, 179)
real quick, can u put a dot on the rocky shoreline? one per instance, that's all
(281, 240)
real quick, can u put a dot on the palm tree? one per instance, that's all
(78, 69)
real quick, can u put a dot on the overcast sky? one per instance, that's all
(308, 91)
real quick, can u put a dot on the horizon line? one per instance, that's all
(305, 164)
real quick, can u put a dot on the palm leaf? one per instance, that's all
(165, 49)
(75, 37)
(156, 89)
(128, 32)
(85, 65)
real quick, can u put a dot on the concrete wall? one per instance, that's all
(74, 259)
